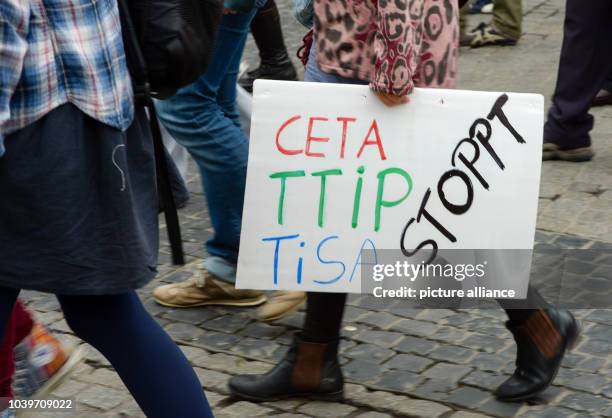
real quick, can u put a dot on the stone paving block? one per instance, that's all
(264, 331)
(484, 343)
(212, 380)
(450, 372)
(105, 377)
(378, 400)
(464, 414)
(192, 316)
(415, 345)
(382, 338)
(286, 404)
(256, 348)
(218, 361)
(247, 409)
(435, 389)
(414, 327)
(607, 391)
(217, 340)
(69, 389)
(549, 412)
(102, 398)
(326, 409)
(287, 415)
(492, 362)
(362, 371)
(369, 352)
(398, 381)
(594, 347)
(421, 409)
(500, 409)
(483, 380)
(585, 382)
(452, 354)
(226, 323)
(450, 335)
(373, 414)
(193, 353)
(408, 362)
(184, 332)
(591, 364)
(215, 398)
(381, 320)
(585, 402)
(435, 315)
(470, 398)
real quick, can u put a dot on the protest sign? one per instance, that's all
(332, 172)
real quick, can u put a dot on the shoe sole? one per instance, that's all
(66, 370)
(572, 342)
(559, 155)
(284, 314)
(326, 397)
(220, 302)
(497, 43)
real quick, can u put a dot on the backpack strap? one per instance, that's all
(142, 97)
(165, 190)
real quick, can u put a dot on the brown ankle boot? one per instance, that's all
(541, 343)
(308, 370)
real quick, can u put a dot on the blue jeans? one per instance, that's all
(204, 119)
(313, 72)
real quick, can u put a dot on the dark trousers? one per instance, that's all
(584, 67)
(324, 313)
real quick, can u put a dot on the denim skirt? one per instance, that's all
(78, 206)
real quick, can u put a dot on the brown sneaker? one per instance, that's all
(281, 304)
(552, 151)
(205, 289)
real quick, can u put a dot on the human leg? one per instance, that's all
(584, 66)
(150, 364)
(8, 326)
(543, 334)
(508, 17)
(197, 121)
(268, 35)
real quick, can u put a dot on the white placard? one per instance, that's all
(333, 171)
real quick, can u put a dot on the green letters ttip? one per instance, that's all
(357, 200)
(379, 195)
(323, 175)
(282, 175)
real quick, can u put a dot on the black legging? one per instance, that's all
(324, 313)
(150, 364)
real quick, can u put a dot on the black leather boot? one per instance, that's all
(308, 370)
(275, 62)
(541, 343)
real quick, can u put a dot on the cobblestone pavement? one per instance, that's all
(403, 362)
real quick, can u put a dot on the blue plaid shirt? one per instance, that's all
(54, 52)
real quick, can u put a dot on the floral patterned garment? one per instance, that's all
(393, 44)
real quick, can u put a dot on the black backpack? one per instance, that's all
(168, 44)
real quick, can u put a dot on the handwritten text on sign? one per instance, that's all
(332, 172)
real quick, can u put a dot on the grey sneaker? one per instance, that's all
(486, 35)
(552, 151)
